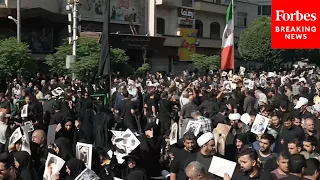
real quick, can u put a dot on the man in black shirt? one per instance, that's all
(165, 109)
(289, 132)
(248, 167)
(126, 111)
(150, 108)
(183, 157)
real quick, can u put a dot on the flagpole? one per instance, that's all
(232, 1)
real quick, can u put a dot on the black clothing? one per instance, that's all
(102, 123)
(187, 110)
(165, 109)
(180, 162)
(26, 168)
(65, 148)
(57, 118)
(287, 135)
(150, 102)
(87, 124)
(136, 175)
(125, 107)
(218, 118)
(209, 108)
(262, 175)
(75, 166)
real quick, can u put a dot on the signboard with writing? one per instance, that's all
(136, 42)
(185, 17)
(186, 13)
(185, 21)
(188, 47)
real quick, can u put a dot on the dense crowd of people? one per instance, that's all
(267, 123)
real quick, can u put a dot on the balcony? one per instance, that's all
(169, 3)
(205, 5)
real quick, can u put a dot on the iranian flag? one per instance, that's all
(227, 54)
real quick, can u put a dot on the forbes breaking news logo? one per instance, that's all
(294, 27)
(295, 32)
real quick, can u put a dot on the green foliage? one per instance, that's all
(204, 62)
(143, 69)
(15, 57)
(88, 54)
(255, 43)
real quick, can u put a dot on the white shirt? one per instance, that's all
(3, 129)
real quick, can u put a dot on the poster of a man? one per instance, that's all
(84, 153)
(260, 124)
(53, 166)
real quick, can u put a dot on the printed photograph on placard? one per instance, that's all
(87, 174)
(260, 124)
(227, 86)
(16, 135)
(52, 166)
(194, 127)
(84, 153)
(174, 134)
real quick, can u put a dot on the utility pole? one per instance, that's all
(18, 21)
(72, 7)
(74, 28)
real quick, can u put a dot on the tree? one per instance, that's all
(88, 54)
(15, 58)
(255, 43)
(206, 63)
(143, 69)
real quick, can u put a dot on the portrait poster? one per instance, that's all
(25, 140)
(51, 133)
(125, 144)
(53, 165)
(87, 174)
(260, 124)
(219, 166)
(15, 136)
(24, 111)
(263, 82)
(194, 127)
(29, 126)
(84, 153)
(174, 134)
(227, 86)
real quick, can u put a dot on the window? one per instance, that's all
(264, 10)
(187, 3)
(242, 19)
(199, 26)
(215, 30)
(161, 24)
(218, 1)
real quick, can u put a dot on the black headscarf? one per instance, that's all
(75, 166)
(26, 168)
(65, 149)
(64, 132)
(137, 175)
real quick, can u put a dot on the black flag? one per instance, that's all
(104, 63)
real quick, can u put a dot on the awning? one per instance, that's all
(34, 13)
(129, 41)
